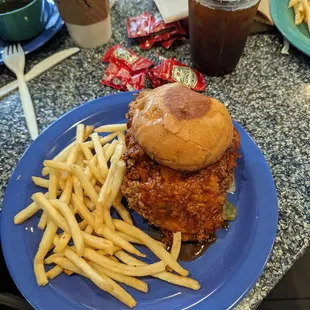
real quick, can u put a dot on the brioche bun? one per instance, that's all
(181, 129)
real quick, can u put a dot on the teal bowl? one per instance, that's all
(23, 23)
(283, 17)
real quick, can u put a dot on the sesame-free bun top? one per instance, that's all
(180, 128)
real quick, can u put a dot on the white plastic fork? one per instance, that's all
(14, 58)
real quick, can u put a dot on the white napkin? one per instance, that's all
(172, 10)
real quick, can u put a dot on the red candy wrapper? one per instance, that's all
(146, 24)
(126, 57)
(172, 70)
(148, 42)
(167, 44)
(121, 78)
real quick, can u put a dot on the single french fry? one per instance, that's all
(89, 204)
(111, 128)
(83, 211)
(104, 261)
(60, 157)
(88, 130)
(164, 275)
(27, 213)
(121, 137)
(176, 247)
(61, 184)
(86, 151)
(40, 181)
(80, 129)
(54, 272)
(62, 243)
(53, 184)
(52, 213)
(100, 156)
(111, 235)
(74, 228)
(96, 173)
(98, 242)
(44, 247)
(68, 272)
(122, 212)
(89, 189)
(57, 165)
(132, 239)
(80, 159)
(50, 259)
(114, 249)
(78, 190)
(103, 140)
(89, 229)
(66, 194)
(116, 183)
(151, 244)
(71, 159)
(67, 264)
(83, 224)
(108, 152)
(130, 281)
(43, 221)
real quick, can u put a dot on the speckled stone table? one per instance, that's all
(266, 95)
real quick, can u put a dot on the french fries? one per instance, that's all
(301, 11)
(84, 182)
(151, 244)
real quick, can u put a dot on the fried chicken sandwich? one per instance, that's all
(182, 149)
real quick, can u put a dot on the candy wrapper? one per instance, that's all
(121, 78)
(148, 42)
(146, 24)
(126, 57)
(172, 70)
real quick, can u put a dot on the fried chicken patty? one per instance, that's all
(190, 202)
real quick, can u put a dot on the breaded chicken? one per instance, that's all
(190, 202)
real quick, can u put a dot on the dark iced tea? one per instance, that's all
(218, 31)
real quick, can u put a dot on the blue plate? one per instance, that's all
(53, 24)
(283, 17)
(226, 271)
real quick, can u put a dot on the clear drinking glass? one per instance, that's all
(218, 31)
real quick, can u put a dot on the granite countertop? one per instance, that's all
(265, 94)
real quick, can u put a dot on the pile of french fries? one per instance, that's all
(80, 236)
(302, 11)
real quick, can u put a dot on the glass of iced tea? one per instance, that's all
(218, 30)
